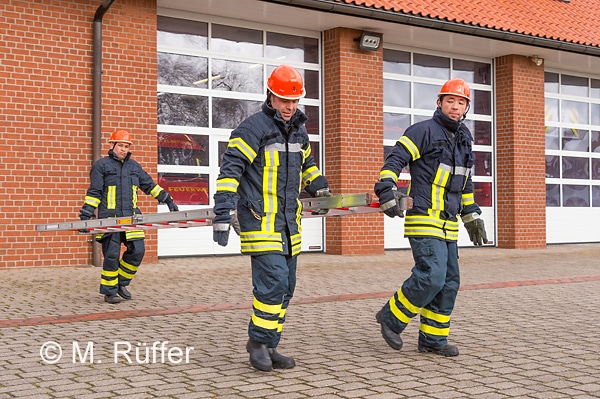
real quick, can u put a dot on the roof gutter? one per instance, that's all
(447, 26)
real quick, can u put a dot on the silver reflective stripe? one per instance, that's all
(221, 227)
(470, 217)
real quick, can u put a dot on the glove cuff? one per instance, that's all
(470, 217)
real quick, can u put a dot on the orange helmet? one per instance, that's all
(456, 87)
(286, 82)
(120, 136)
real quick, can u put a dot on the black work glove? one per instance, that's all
(324, 192)
(221, 224)
(476, 230)
(387, 192)
(171, 204)
(225, 205)
(84, 217)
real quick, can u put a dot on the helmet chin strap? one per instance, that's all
(466, 112)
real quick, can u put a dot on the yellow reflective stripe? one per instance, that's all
(128, 266)
(135, 234)
(440, 318)
(442, 332)
(227, 184)
(406, 303)
(111, 197)
(388, 174)
(155, 191)
(269, 193)
(306, 152)
(110, 274)
(134, 196)
(266, 324)
(438, 188)
(282, 313)
(261, 247)
(468, 199)
(110, 283)
(411, 147)
(260, 241)
(92, 201)
(109, 278)
(243, 147)
(299, 216)
(430, 226)
(310, 174)
(263, 307)
(397, 312)
(296, 241)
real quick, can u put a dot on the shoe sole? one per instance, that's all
(424, 349)
(390, 344)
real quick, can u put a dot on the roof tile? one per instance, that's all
(576, 21)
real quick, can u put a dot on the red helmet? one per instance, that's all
(456, 87)
(120, 136)
(286, 82)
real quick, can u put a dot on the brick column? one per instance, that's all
(520, 153)
(353, 137)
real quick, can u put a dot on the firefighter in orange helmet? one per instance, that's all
(440, 158)
(113, 192)
(267, 163)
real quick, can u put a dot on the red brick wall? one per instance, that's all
(353, 137)
(520, 153)
(46, 117)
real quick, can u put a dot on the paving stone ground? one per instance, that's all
(526, 323)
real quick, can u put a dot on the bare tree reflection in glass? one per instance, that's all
(182, 70)
(182, 110)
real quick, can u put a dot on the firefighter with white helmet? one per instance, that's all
(440, 158)
(267, 162)
(113, 192)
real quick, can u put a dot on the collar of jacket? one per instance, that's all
(446, 122)
(114, 156)
(296, 120)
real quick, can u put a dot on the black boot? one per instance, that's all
(280, 361)
(123, 292)
(112, 299)
(392, 339)
(442, 350)
(259, 355)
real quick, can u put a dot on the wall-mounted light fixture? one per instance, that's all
(537, 60)
(370, 41)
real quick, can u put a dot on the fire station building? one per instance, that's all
(179, 75)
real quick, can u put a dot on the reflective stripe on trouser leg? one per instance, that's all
(435, 316)
(111, 250)
(274, 280)
(426, 280)
(131, 260)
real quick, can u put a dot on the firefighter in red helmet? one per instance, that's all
(267, 162)
(113, 192)
(440, 158)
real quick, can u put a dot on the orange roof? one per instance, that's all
(577, 21)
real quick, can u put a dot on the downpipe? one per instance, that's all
(97, 104)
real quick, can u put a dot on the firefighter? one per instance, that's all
(267, 163)
(439, 155)
(113, 192)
